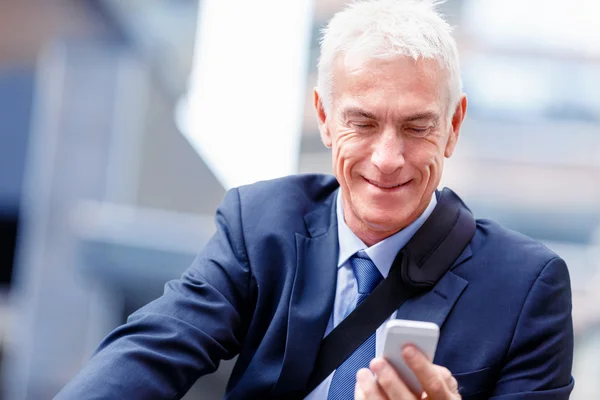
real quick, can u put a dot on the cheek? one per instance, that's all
(428, 159)
(348, 151)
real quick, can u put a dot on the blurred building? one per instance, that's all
(112, 194)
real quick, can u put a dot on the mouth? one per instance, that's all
(386, 186)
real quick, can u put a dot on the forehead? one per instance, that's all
(399, 85)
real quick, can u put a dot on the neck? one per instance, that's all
(371, 234)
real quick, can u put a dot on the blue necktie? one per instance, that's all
(344, 378)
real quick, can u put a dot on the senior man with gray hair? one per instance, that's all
(303, 271)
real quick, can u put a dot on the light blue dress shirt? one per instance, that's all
(346, 293)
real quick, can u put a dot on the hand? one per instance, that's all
(437, 381)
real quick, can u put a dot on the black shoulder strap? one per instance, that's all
(417, 267)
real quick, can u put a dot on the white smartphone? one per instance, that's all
(398, 333)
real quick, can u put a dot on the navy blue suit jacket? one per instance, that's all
(263, 288)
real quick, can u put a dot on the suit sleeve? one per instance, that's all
(540, 356)
(168, 344)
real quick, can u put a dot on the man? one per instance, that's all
(285, 265)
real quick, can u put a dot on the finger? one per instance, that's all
(367, 387)
(389, 380)
(452, 384)
(426, 372)
(446, 375)
(358, 393)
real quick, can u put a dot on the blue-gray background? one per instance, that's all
(103, 199)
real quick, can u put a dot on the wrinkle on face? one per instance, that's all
(387, 125)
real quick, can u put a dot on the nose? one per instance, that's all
(388, 151)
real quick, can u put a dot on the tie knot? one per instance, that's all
(367, 274)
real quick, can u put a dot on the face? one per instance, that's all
(389, 134)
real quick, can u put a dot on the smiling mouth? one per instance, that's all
(385, 186)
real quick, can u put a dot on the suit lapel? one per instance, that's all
(435, 304)
(312, 298)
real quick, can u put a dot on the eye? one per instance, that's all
(419, 131)
(362, 125)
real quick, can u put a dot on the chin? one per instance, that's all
(380, 220)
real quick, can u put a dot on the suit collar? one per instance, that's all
(313, 293)
(322, 218)
(464, 256)
(436, 304)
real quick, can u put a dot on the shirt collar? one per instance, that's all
(383, 253)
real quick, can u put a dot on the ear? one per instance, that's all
(322, 117)
(457, 119)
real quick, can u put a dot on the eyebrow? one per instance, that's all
(355, 111)
(428, 115)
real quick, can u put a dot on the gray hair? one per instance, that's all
(387, 29)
